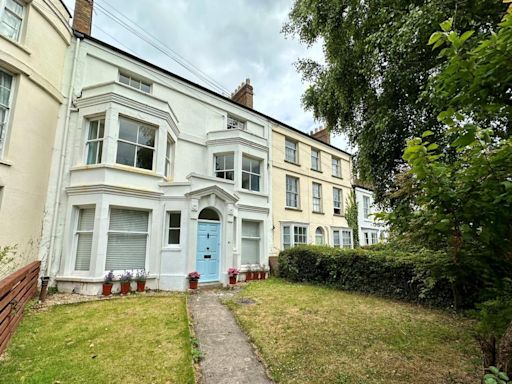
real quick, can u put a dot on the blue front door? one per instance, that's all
(207, 258)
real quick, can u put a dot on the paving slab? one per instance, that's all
(228, 355)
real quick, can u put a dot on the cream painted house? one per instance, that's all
(34, 39)
(311, 181)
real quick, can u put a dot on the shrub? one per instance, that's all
(420, 277)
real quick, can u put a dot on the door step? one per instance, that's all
(208, 286)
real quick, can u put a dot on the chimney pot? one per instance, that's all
(244, 94)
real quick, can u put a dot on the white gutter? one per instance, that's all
(63, 153)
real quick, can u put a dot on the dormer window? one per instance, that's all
(139, 84)
(234, 123)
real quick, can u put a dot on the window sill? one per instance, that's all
(257, 193)
(293, 209)
(292, 162)
(337, 177)
(119, 167)
(317, 170)
(318, 213)
(170, 248)
(6, 162)
(16, 44)
(338, 215)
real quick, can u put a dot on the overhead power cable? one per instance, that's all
(156, 43)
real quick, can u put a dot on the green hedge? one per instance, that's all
(419, 278)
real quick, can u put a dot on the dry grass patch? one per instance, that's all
(131, 340)
(311, 334)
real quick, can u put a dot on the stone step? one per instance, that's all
(209, 286)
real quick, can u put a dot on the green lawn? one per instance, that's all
(311, 334)
(131, 340)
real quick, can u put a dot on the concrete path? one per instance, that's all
(228, 354)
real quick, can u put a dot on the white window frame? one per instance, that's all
(224, 169)
(368, 237)
(4, 9)
(4, 126)
(252, 173)
(235, 123)
(169, 229)
(291, 153)
(374, 237)
(341, 232)
(336, 166)
(317, 197)
(76, 235)
(168, 156)
(137, 145)
(292, 233)
(293, 193)
(135, 82)
(252, 238)
(337, 204)
(147, 233)
(98, 139)
(366, 207)
(316, 163)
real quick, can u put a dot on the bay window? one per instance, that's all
(251, 238)
(251, 173)
(127, 239)
(94, 142)
(6, 86)
(11, 18)
(136, 144)
(83, 237)
(174, 228)
(225, 166)
(294, 234)
(168, 154)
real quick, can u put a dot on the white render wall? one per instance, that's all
(196, 121)
(370, 224)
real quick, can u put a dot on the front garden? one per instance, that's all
(127, 340)
(315, 334)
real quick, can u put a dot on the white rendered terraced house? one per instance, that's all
(157, 173)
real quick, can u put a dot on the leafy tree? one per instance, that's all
(377, 67)
(456, 195)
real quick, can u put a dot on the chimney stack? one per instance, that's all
(244, 94)
(322, 135)
(82, 20)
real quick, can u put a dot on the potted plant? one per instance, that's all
(255, 272)
(248, 274)
(140, 278)
(193, 277)
(125, 279)
(263, 272)
(233, 274)
(108, 281)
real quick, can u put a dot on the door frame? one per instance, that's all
(219, 246)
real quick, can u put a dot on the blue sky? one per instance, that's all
(229, 40)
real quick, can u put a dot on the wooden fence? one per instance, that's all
(15, 290)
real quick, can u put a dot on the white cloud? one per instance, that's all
(229, 41)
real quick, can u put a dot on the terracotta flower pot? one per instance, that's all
(232, 280)
(107, 289)
(263, 275)
(141, 285)
(256, 275)
(125, 288)
(192, 284)
(248, 276)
